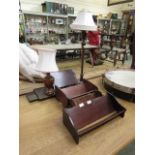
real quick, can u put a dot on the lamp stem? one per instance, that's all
(82, 54)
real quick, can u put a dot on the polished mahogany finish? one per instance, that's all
(85, 97)
(48, 82)
(61, 79)
(81, 120)
(64, 78)
(65, 94)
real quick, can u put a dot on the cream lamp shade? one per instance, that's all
(84, 21)
(46, 62)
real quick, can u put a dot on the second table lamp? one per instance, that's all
(45, 64)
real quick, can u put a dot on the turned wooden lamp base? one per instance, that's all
(49, 82)
(50, 92)
(43, 92)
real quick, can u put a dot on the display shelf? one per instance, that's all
(45, 27)
(70, 21)
(44, 14)
(129, 16)
(115, 26)
(57, 29)
(74, 36)
(104, 24)
(35, 28)
(123, 28)
(49, 28)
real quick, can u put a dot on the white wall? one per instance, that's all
(95, 6)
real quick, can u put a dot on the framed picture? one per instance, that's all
(114, 2)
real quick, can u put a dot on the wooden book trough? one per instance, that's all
(65, 94)
(85, 108)
(89, 114)
(65, 78)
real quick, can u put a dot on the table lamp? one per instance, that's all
(83, 22)
(46, 65)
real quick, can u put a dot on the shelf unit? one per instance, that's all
(113, 26)
(45, 27)
(129, 16)
(104, 25)
(74, 36)
(49, 28)
(124, 27)
(71, 19)
(114, 32)
(57, 29)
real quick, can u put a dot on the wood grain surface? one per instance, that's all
(43, 133)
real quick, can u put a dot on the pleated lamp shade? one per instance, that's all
(84, 21)
(46, 62)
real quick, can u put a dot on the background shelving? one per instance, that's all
(49, 28)
(45, 27)
(35, 28)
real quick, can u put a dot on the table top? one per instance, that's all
(122, 77)
(42, 130)
(51, 47)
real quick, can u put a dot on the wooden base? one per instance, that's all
(38, 94)
(31, 97)
(62, 79)
(81, 120)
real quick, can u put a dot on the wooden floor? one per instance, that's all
(90, 70)
(43, 133)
